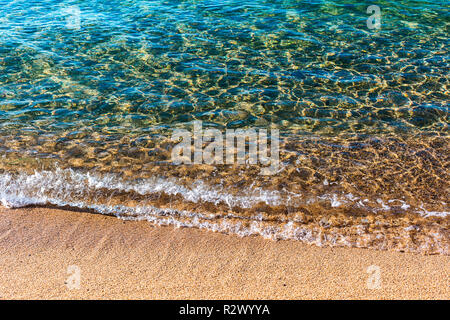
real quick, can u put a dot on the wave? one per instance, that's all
(111, 194)
(22, 189)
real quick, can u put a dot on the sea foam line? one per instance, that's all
(68, 185)
(62, 182)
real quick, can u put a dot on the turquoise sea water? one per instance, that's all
(91, 90)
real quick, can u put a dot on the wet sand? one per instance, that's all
(136, 260)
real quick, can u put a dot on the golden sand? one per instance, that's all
(136, 260)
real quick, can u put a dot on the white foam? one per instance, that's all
(61, 183)
(67, 188)
(71, 186)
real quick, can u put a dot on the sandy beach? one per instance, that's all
(135, 260)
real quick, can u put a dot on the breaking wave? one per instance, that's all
(211, 207)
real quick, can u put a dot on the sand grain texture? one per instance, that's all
(136, 260)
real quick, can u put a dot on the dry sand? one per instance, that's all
(119, 259)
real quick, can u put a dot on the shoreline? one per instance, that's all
(120, 259)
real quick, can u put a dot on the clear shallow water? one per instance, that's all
(91, 90)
